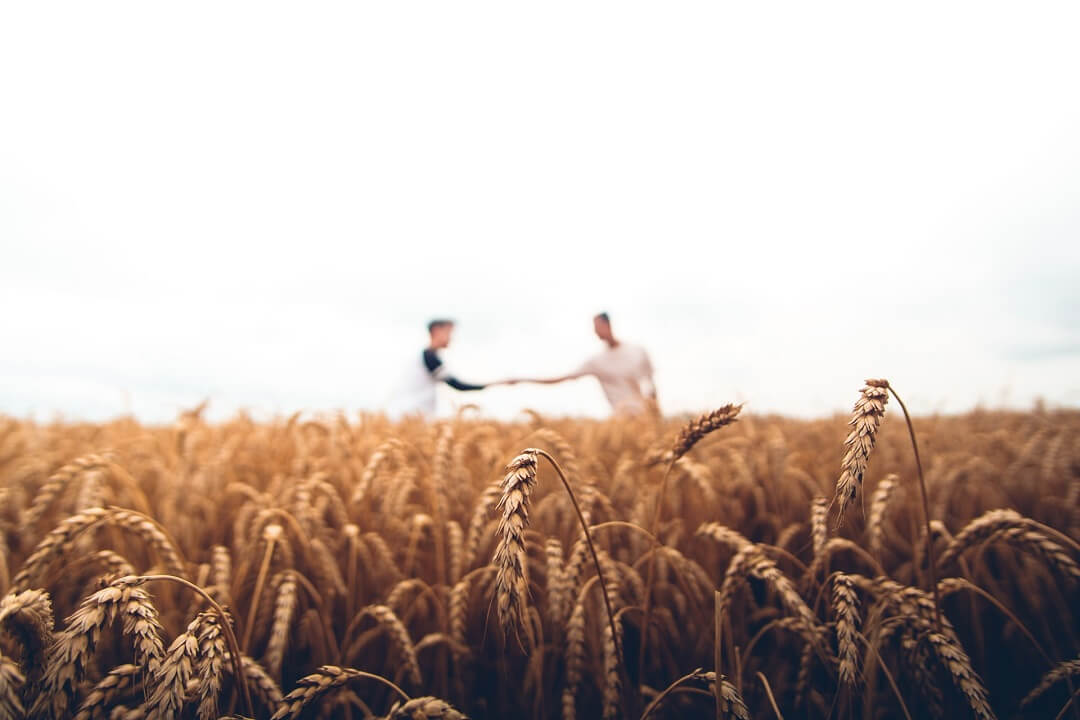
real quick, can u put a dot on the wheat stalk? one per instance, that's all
(174, 674)
(284, 609)
(612, 672)
(455, 544)
(846, 610)
(311, 688)
(511, 590)
(575, 652)
(389, 621)
(266, 691)
(865, 420)
(424, 708)
(724, 535)
(1014, 528)
(818, 530)
(11, 681)
(28, 617)
(557, 588)
(55, 484)
(208, 664)
(221, 572)
(74, 646)
(60, 539)
(879, 503)
(1062, 671)
(119, 681)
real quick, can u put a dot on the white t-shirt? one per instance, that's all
(621, 370)
(415, 391)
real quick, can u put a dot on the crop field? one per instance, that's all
(734, 566)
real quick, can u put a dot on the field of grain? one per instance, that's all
(354, 568)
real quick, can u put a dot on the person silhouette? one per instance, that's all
(415, 393)
(624, 371)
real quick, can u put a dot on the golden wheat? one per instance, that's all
(337, 543)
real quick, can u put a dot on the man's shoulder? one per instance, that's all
(431, 359)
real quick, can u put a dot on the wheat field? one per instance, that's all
(355, 568)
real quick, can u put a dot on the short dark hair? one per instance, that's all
(438, 323)
(602, 316)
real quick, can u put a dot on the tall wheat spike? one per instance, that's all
(865, 420)
(510, 585)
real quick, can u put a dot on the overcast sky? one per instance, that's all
(262, 204)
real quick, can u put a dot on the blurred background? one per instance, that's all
(263, 204)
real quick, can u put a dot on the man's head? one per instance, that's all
(602, 325)
(440, 331)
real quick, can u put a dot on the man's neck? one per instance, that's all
(612, 343)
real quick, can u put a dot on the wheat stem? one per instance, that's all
(926, 511)
(592, 549)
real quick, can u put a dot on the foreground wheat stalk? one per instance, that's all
(865, 421)
(688, 437)
(510, 555)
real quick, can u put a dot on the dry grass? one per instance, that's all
(379, 569)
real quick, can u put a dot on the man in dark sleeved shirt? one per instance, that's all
(417, 392)
(437, 370)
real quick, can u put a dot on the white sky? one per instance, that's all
(263, 203)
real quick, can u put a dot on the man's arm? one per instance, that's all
(553, 380)
(438, 371)
(586, 368)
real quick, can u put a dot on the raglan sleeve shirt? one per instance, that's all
(438, 371)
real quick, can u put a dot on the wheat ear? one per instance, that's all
(1067, 669)
(1013, 527)
(425, 708)
(846, 610)
(74, 646)
(865, 420)
(819, 532)
(11, 682)
(55, 484)
(399, 635)
(311, 688)
(208, 665)
(60, 539)
(612, 672)
(174, 674)
(28, 617)
(284, 609)
(879, 503)
(511, 590)
(119, 681)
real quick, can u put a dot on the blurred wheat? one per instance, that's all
(363, 568)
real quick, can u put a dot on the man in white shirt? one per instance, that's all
(415, 393)
(624, 371)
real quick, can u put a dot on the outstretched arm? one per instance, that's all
(435, 366)
(553, 380)
(458, 385)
